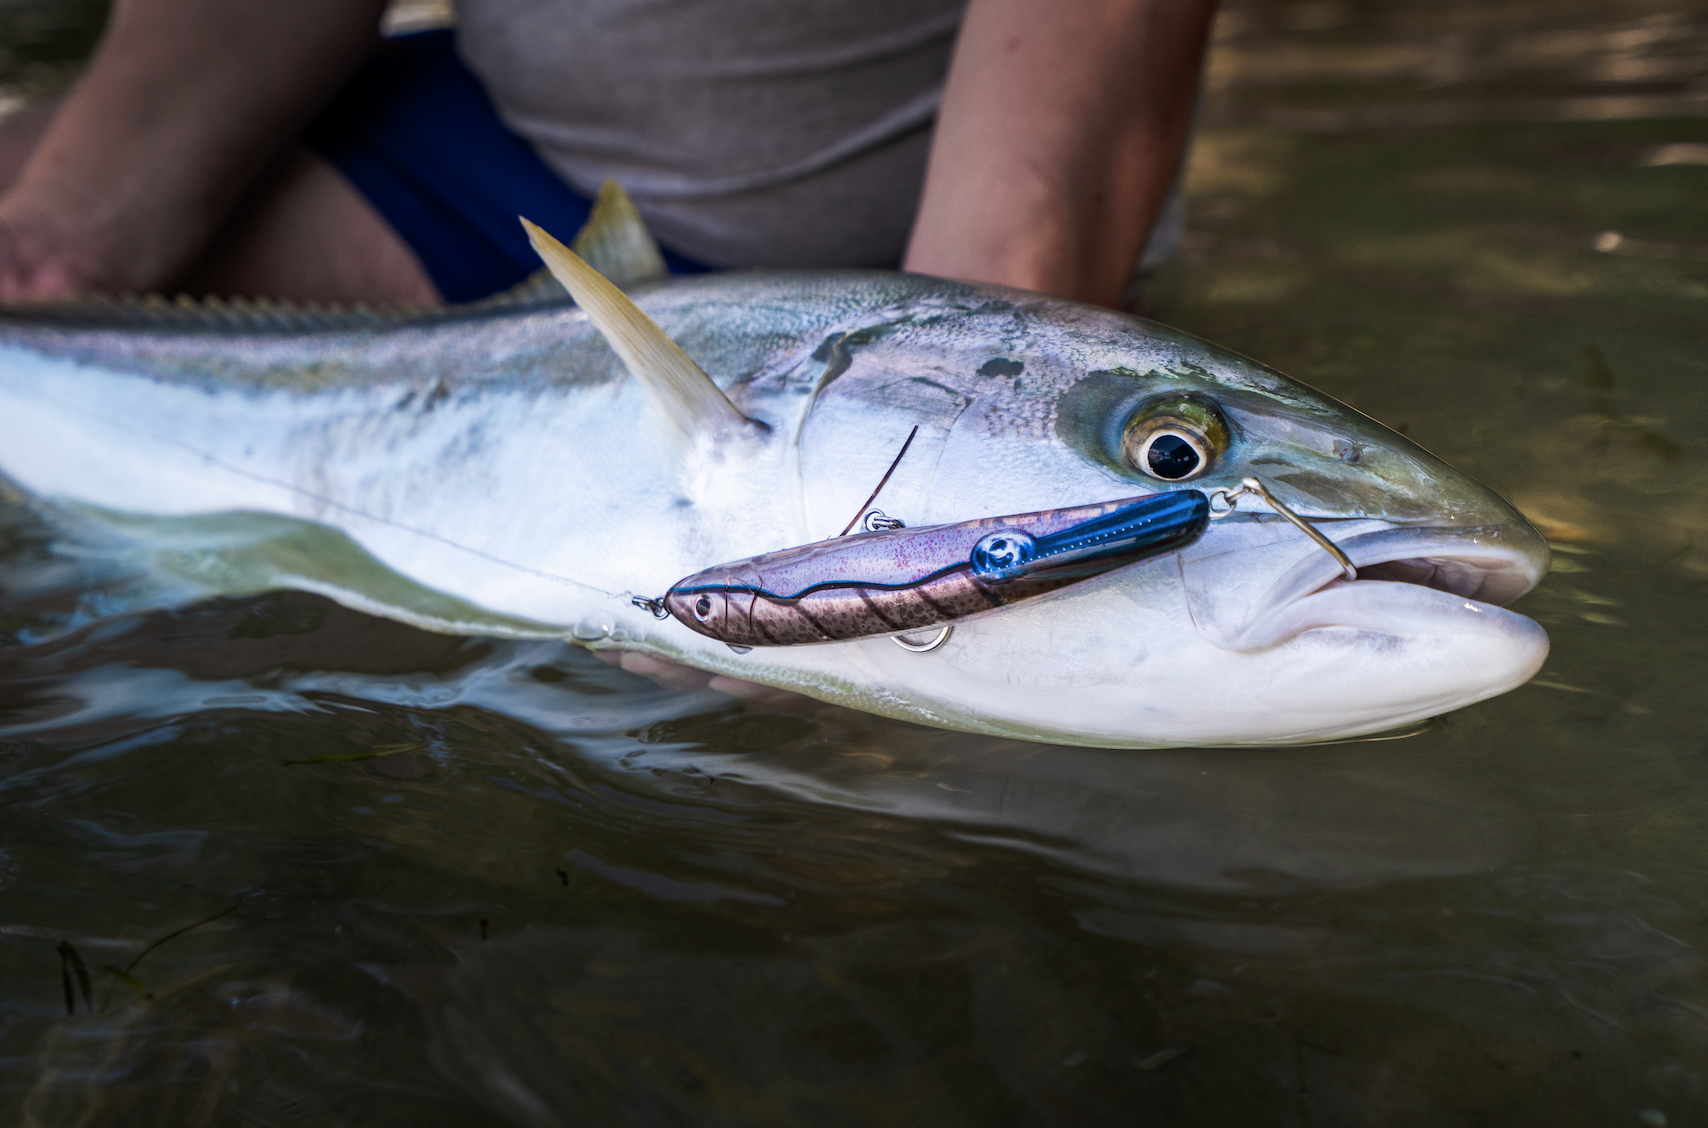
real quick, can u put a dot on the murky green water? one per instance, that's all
(563, 895)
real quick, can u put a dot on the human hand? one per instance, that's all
(39, 263)
(670, 675)
(183, 106)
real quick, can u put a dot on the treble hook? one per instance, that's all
(1230, 500)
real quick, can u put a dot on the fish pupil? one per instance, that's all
(1171, 457)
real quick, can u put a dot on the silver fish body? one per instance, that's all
(497, 471)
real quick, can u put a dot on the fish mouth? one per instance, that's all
(1410, 580)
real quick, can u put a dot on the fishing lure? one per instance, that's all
(897, 579)
(906, 579)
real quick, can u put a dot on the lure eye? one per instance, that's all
(703, 608)
(999, 557)
(1174, 440)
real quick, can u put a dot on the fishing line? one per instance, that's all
(213, 460)
(881, 483)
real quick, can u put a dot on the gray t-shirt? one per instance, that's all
(749, 132)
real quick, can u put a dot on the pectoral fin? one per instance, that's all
(685, 394)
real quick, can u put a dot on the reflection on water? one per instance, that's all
(480, 883)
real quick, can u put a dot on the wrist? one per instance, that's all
(1025, 256)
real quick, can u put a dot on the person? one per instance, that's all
(263, 149)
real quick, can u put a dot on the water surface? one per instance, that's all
(465, 882)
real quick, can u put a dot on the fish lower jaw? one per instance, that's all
(1383, 607)
(1419, 632)
(1340, 680)
(1410, 581)
(1366, 656)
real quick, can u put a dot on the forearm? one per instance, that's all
(1059, 137)
(184, 102)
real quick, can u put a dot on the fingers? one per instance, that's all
(671, 675)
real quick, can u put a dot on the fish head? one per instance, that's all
(1253, 634)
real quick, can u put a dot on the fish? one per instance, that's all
(549, 463)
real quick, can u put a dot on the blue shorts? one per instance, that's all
(416, 134)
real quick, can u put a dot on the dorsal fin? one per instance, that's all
(684, 393)
(615, 242)
(216, 314)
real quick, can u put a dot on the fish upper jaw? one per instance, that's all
(1251, 585)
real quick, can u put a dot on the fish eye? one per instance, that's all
(702, 608)
(1174, 440)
